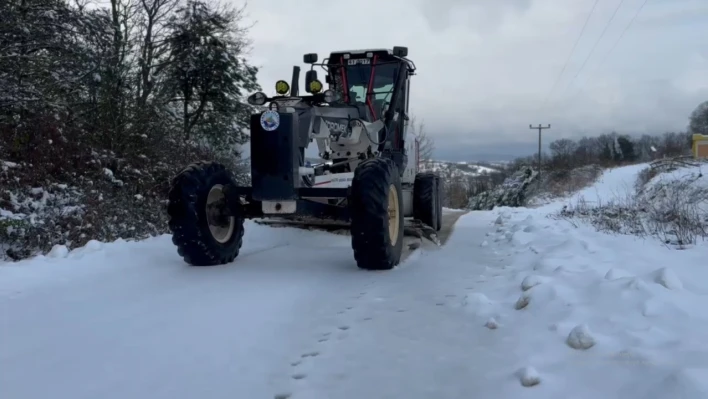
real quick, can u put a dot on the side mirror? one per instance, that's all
(310, 58)
(400, 51)
(310, 76)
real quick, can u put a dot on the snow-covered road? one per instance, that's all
(512, 299)
(131, 320)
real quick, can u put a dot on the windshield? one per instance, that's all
(359, 85)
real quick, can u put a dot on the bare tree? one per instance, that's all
(562, 151)
(153, 47)
(587, 151)
(426, 145)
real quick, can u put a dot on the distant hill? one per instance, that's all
(450, 169)
(462, 169)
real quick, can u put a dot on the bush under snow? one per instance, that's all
(670, 204)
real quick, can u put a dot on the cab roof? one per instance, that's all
(377, 51)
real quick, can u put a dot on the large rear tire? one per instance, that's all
(426, 203)
(376, 206)
(202, 234)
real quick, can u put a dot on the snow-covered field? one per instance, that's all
(515, 305)
(457, 170)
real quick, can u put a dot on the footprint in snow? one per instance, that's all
(531, 281)
(523, 301)
(580, 338)
(492, 324)
(310, 354)
(343, 328)
(282, 396)
(528, 376)
(299, 376)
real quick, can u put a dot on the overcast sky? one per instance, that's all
(485, 67)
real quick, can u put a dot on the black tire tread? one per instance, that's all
(369, 214)
(425, 193)
(187, 216)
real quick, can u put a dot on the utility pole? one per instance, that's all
(540, 128)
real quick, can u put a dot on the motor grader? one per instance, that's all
(367, 179)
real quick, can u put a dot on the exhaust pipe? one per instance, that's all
(294, 84)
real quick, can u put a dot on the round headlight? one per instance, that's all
(315, 86)
(258, 98)
(330, 96)
(282, 87)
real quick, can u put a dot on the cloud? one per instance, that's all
(480, 16)
(486, 67)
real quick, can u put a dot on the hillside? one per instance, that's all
(461, 169)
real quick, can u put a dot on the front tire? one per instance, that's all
(203, 236)
(377, 215)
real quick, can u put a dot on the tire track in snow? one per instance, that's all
(258, 251)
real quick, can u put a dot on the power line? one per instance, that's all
(596, 43)
(571, 52)
(626, 28)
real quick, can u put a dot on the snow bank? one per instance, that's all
(40, 208)
(607, 315)
(671, 206)
(687, 186)
(576, 312)
(121, 256)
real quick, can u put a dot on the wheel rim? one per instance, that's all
(393, 214)
(221, 233)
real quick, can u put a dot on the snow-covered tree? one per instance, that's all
(209, 77)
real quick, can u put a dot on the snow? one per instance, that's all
(689, 182)
(515, 305)
(5, 165)
(614, 184)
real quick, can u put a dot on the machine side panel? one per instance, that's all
(411, 169)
